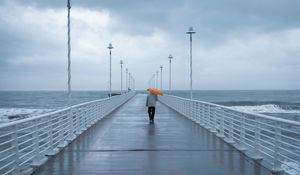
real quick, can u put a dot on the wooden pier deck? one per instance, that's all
(126, 143)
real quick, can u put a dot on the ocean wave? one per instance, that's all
(11, 114)
(267, 108)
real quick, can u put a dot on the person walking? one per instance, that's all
(151, 103)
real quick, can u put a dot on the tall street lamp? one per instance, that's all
(191, 32)
(161, 68)
(71, 135)
(110, 47)
(69, 52)
(121, 63)
(126, 80)
(134, 84)
(129, 77)
(170, 58)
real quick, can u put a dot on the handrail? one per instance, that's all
(23, 144)
(274, 142)
(52, 113)
(245, 112)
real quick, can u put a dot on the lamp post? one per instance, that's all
(69, 52)
(161, 85)
(170, 58)
(133, 86)
(110, 47)
(133, 83)
(126, 79)
(129, 77)
(70, 116)
(191, 32)
(121, 63)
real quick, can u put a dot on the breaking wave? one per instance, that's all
(11, 114)
(267, 108)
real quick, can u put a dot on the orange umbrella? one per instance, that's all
(155, 91)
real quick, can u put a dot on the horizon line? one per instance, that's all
(61, 90)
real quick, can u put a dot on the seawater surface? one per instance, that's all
(16, 105)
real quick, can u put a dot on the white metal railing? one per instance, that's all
(274, 142)
(26, 143)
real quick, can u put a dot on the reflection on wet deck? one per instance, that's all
(126, 143)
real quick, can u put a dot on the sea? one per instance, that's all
(16, 105)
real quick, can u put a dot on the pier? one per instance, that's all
(114, 136)
(126, 143)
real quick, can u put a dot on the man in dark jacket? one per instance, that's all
(151, 103)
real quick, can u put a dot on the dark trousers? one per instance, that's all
(151, 112)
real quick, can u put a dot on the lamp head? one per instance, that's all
(110, 46)
(190, 31)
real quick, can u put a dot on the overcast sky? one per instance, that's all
(252, 44)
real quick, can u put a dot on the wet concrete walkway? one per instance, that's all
(125, 143)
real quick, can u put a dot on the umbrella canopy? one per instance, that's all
(155, 91)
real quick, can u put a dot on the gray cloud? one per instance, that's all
(234, 39)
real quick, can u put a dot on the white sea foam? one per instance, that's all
(8, 114)
(269, 108)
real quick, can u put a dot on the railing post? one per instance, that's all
(87, 116)
(82, 118)
(202, 112)
(202, 120)
(194, 109)
(181, 107)
(15, 145)
(62, 142)
(213, 112)
(204, 115)
(241, 144)
(191, 110)
(38, 159)
(207, 116)
(91, 118)
(198, 115)
(79, 113)
(276, 160)
(101, 111)
(257, 148)
(221, 120)
(196, 112)
(71, 125)
(97, 109)
(50, 151)
(208, 126)
(98, 113)
(185, 108)
(230, 139)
